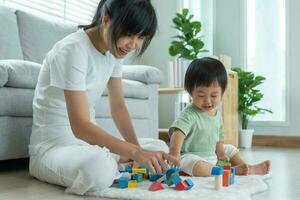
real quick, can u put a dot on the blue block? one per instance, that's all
(137, 177)
(176, 179)
(216, 171)
(189, 183)
(171, 171)
(155, 177)
(123, 182)
(232, 175)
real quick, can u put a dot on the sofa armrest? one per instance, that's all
(142, 73)
(19, 73)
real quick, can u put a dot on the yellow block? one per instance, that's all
(139, 171)
(132, 184)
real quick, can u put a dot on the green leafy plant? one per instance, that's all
(249, 95)
(188, 44)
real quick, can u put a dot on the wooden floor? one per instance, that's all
(16, 184)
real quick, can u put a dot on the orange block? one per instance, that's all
(226, 178)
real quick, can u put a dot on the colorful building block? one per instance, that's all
(226, 178)
(181, 186)
(217, 172)
(156, 186)
(174, 179)
(171, 171)
(189, 183)
(132, 184)
(232, 175)
(155, 177)
(138, 177)
(123, 182)
(222, 163)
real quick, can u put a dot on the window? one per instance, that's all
(73, 11)
(203, 12)
(265, 53)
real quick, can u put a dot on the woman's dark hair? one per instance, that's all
(205, 72)
(127, 17)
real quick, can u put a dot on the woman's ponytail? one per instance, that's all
(97, 17)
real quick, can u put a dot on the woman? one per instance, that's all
(66, 146)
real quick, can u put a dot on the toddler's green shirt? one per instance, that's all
(201, 130)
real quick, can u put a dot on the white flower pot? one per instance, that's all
(246, 138)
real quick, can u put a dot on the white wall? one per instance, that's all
(228, 40)
(157, 54)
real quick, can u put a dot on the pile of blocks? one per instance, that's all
(224, 174)
(131, 177)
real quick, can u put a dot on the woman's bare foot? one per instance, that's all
(261, 168)
(242, 170)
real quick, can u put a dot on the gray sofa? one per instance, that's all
(25, 39)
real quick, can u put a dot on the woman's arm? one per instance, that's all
(84, 129)
(119, 110)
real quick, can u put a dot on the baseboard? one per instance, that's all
(276, 141)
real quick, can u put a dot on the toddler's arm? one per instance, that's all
(176, 142)
(220, 151)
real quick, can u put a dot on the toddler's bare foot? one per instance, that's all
(242, 170)
(261, 168)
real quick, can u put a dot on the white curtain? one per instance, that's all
(266, 51)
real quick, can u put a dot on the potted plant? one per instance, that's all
(186, 46)
(249, 96)
(188, 43)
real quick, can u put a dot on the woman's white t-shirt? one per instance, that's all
(73, 64)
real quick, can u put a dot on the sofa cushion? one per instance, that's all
(38, 35)
(133, 89)
(136, 108)
(16, 102)
(143, 73)
(18, 73)
(10, 47)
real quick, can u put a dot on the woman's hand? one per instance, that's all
(155, 160)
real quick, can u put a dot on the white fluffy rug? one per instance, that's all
(244, 187)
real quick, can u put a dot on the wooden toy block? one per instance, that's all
(226, 167)
(139, 170)
(123, 182)
(189, 183)
(137, 177)
(132, 184)
(126, 174)
(155, 177)
(217, 172)
(171, 171)
(232, 175)
(182, 173)
(161, 179)
(222, 163)
(181, 186)
(226, 178)
(174, 179)
(156, 186)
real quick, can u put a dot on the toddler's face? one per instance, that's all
(207, 98)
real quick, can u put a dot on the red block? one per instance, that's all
(156, 186)
(226, 178)
(182, 173)
(181, 186)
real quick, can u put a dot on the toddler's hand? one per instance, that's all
(223, 157)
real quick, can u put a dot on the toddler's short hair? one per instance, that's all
(205, 72)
